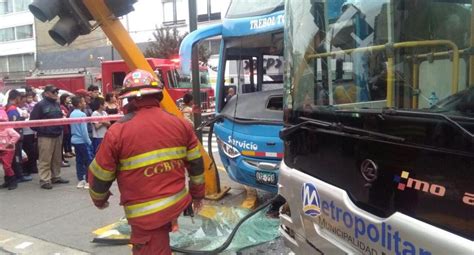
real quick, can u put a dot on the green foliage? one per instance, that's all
(167, 42)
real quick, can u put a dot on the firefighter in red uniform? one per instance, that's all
(148, 152)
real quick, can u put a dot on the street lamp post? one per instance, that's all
(195, 67)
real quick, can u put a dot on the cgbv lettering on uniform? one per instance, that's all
(163, 167)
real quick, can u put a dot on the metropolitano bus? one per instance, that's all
(249, 122)
(379, 154)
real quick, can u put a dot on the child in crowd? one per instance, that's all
(30, 100)
(100, 128)
(14, 113)
(8, 139)
(64, 102)
(29, 146)
(81, 142)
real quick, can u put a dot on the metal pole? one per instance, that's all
(195, 67)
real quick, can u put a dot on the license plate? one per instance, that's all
(265, 177)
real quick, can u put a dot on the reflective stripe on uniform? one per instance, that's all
(97, 195)
(152, 157)
(199, 179)
(193, 154)
(142, 209)
(101, 173)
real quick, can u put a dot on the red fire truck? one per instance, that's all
(113, 73)
(69, 82)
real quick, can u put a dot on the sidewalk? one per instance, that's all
(63, 218)
(12, 243)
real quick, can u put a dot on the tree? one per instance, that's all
(167, 42)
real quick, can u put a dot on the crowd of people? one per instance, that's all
(155, 193)
(44, 150)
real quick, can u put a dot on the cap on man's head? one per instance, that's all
(50, 88)
(82, 92)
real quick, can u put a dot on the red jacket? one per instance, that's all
(147, 152)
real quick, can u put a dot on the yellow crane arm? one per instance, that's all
(135, 59)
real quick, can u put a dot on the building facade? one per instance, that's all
(17, 41)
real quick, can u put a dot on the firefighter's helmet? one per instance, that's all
(139, 83)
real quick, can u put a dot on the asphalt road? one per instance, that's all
(61, 220)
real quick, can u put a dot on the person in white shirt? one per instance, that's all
(99, 128)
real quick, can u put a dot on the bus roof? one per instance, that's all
(239, 27)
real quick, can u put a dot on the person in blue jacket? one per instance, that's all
(81, 141)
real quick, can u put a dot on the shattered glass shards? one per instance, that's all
(208, 230)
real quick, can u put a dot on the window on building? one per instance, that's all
(6, 6)
(168, 11)
(9, 6)
(24, 32)
(173, 13)
(17, 63)
(7, 34)
(28, 62)
(202, 7)
(22, 5)
(3, 64)
(209, 10)
(181, 11)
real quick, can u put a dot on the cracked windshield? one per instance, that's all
(236, 127)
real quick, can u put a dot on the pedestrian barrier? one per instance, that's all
(57, 122)
(211, 180)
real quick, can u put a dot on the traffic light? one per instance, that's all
(73, 18)
(120, 7)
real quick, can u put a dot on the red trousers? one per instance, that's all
(151, 242)
(6, 158)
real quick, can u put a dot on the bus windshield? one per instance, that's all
(376, 54)
(184, 81)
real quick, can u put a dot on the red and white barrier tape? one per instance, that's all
(57, 122)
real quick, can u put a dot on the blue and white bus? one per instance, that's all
(252, 51)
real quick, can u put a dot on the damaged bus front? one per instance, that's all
(379, 144)
(250, 108)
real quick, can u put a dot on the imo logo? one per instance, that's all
(311, 201)
(401, 180)
(404, 181)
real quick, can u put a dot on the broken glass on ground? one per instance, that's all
(208, 230)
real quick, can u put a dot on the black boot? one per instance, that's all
(5, 184)
(12, 183)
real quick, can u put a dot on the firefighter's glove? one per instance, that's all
(102, 204)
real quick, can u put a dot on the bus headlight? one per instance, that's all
(229, 150)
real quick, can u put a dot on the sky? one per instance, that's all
(149, 13)
(142, 22)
